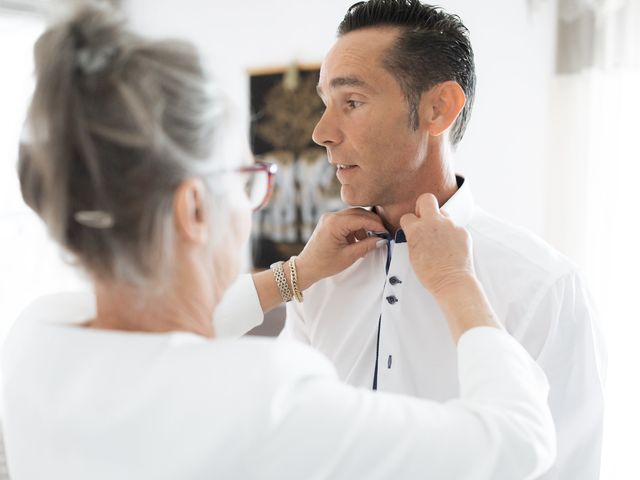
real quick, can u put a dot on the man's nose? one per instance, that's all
(327, 131)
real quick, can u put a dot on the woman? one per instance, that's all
(130, 162)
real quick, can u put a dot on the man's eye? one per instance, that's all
(353, 104)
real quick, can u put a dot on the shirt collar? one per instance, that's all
(459, 207)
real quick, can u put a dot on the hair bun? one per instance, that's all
(96, 29)
(94, 60)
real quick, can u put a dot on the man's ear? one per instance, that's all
(440, 106)
(189, 210)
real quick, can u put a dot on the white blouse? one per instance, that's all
(82, 403)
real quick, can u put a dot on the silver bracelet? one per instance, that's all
(281, 281)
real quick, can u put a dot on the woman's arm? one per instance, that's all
(337, 242)
(499, 429)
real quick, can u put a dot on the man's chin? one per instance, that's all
(351, 198)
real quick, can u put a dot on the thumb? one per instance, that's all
(407, 220)
(362, 247)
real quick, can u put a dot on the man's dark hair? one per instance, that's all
(433, 47)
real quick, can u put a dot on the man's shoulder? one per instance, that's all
(515, 248)
(526, 280)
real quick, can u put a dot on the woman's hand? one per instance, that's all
(441, 255)
(337, 242)
(439, 251)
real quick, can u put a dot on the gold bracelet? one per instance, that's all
(297, 294)
(281, 281)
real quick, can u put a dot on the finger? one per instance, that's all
(361, 248)
(444, 213)
(348, 224)
(361, 234)
(407, 220)
(427, 205)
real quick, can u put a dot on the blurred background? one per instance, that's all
(553, 144)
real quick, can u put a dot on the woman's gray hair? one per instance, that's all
(115, 124)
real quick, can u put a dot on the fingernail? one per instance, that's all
(381, 243)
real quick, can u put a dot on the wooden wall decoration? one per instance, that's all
(284, 111)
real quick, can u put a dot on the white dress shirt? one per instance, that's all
(81, 403)
(535, 292)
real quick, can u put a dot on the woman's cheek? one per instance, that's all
(241, 217)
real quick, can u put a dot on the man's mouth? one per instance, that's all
(345, 167)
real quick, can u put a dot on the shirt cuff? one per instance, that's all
(240, 309)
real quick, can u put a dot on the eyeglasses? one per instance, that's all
(258, 180)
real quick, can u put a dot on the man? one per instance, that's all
(398, 87)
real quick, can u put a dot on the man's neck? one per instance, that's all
(391, 214)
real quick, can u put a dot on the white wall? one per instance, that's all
(504, 151)
(30, 263)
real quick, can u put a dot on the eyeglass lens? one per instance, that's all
(256, 187)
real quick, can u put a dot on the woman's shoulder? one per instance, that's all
(49, 339)
(58, 308)
(65, 308)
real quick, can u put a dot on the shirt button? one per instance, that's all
(391, 299)
(394, 280)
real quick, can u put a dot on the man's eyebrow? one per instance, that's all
(345, 82)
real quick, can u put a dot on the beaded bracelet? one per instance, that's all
(281, 281)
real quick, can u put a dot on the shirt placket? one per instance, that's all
(390, 300)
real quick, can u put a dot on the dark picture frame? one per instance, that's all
(285, 108)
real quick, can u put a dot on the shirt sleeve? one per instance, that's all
(500, 428)
(295, 327)
(574, 360)
(240, 309)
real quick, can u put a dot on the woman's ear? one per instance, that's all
(189, 211)
(440, 106)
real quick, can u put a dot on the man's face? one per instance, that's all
(365, 127)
